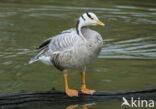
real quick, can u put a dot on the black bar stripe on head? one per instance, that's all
(83, 17)
(89, 15)
(77, 25)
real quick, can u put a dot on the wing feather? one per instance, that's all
(44, 44)
(64, 41)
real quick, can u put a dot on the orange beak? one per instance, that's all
(100, 23)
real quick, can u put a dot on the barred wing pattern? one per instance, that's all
(65, 40)
(64, 50)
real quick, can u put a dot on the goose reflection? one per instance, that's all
(84, 106)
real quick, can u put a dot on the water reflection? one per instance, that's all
(84, 106)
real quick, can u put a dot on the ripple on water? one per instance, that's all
(152, 9)
(7, 14)
(7, 63)
(12, 85)
(126, 7)
(128, 49)
(66, 8)
(133, 48)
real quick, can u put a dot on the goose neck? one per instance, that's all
(78, 30)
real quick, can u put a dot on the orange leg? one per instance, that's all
(84, 106)
(69, 92)
(72, 106)
(83, 88)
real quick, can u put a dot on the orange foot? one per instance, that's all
(87, 91)
(71, 92)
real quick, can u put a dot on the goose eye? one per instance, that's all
(92, 18)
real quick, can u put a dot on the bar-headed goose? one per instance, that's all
(73, 48)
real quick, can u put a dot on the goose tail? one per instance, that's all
(33, 60)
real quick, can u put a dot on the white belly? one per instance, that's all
(45, 60)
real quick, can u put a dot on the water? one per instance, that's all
(127, 60)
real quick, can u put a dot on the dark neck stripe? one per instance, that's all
(77, 26)
(89, 15)
(83, 17)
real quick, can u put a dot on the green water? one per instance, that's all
(127, 60)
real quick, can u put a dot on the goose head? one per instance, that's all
(87, 19)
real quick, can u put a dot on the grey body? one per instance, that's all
(69, 50)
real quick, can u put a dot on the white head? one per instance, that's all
(87, 19)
